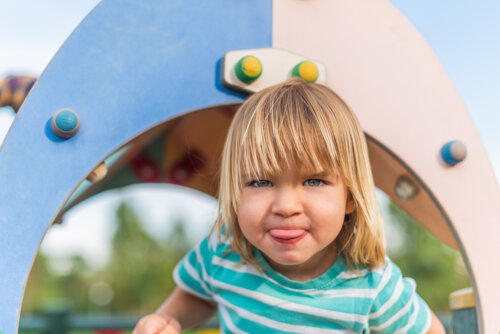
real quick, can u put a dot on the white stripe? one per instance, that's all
(353, 274)
(394, 298)
(287, 305)
(186, 288)
(332, 293)
(396, 316)
(386, 276)
(247, 269)
(194, 275)
(236, 266)
(229, 322)
(201, 263)
(273, 323)
(412, 319)
(354, 293)
(213, 241)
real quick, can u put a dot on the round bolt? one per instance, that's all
(65, 123)
(453, 152)
(405, 188)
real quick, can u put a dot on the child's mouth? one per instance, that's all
(287, 236)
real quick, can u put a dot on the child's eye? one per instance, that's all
(260, 183)
(314, 182)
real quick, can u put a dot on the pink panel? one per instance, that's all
(386, 72)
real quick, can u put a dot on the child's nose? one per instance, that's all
(287, 202)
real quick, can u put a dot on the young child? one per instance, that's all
(299, 245)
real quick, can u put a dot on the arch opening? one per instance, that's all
(186, 151)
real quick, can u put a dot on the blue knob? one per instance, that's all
(453, 152)
(65, 123)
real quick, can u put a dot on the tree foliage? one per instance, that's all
(140, 268)
(437, 269)
(139, 272)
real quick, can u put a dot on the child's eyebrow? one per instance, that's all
(316, 174)
(321, 175)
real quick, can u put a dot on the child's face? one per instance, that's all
(294, 219)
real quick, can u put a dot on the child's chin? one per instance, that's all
(290, 258)
(289, 261)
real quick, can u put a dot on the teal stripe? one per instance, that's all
(400, 323)
(405, 299)
(193, 260)
(228, 254)
(286, 316)
(422, 317)
(400, 303)
(388, 291)
(369, 281)
(206, 254)
(188, 280)
(251, 282)
(250, 326)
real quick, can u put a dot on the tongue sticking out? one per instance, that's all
(286, 234)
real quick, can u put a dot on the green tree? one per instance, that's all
(139, 271)
(74, 286)
(36, 285)
(437, 269)
(46, 289)
(140, 267)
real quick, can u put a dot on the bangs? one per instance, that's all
(286, 134)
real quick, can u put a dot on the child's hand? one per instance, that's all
(157, 324)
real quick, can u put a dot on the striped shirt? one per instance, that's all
(263, 301)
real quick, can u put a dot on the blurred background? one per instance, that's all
(115, 252)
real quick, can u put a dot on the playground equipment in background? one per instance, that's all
(154, 103)
(14, 89)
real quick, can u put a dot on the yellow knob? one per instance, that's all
(251, 66)
(307, 70)
(248, 69)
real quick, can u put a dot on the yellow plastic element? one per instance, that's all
(308, 71)
(207, 331)
(462, 299)
(251, 66)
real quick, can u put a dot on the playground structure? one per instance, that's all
(148, 84)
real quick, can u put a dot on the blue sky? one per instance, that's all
(464, 36)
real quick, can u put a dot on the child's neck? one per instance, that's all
(316, 266)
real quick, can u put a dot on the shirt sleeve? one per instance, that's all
(192, 272)
(398, 308)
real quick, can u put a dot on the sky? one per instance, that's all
(464, 36)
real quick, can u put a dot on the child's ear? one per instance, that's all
(350, 204)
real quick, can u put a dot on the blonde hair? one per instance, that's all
(300, 124)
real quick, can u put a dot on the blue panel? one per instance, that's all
(128, 66)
